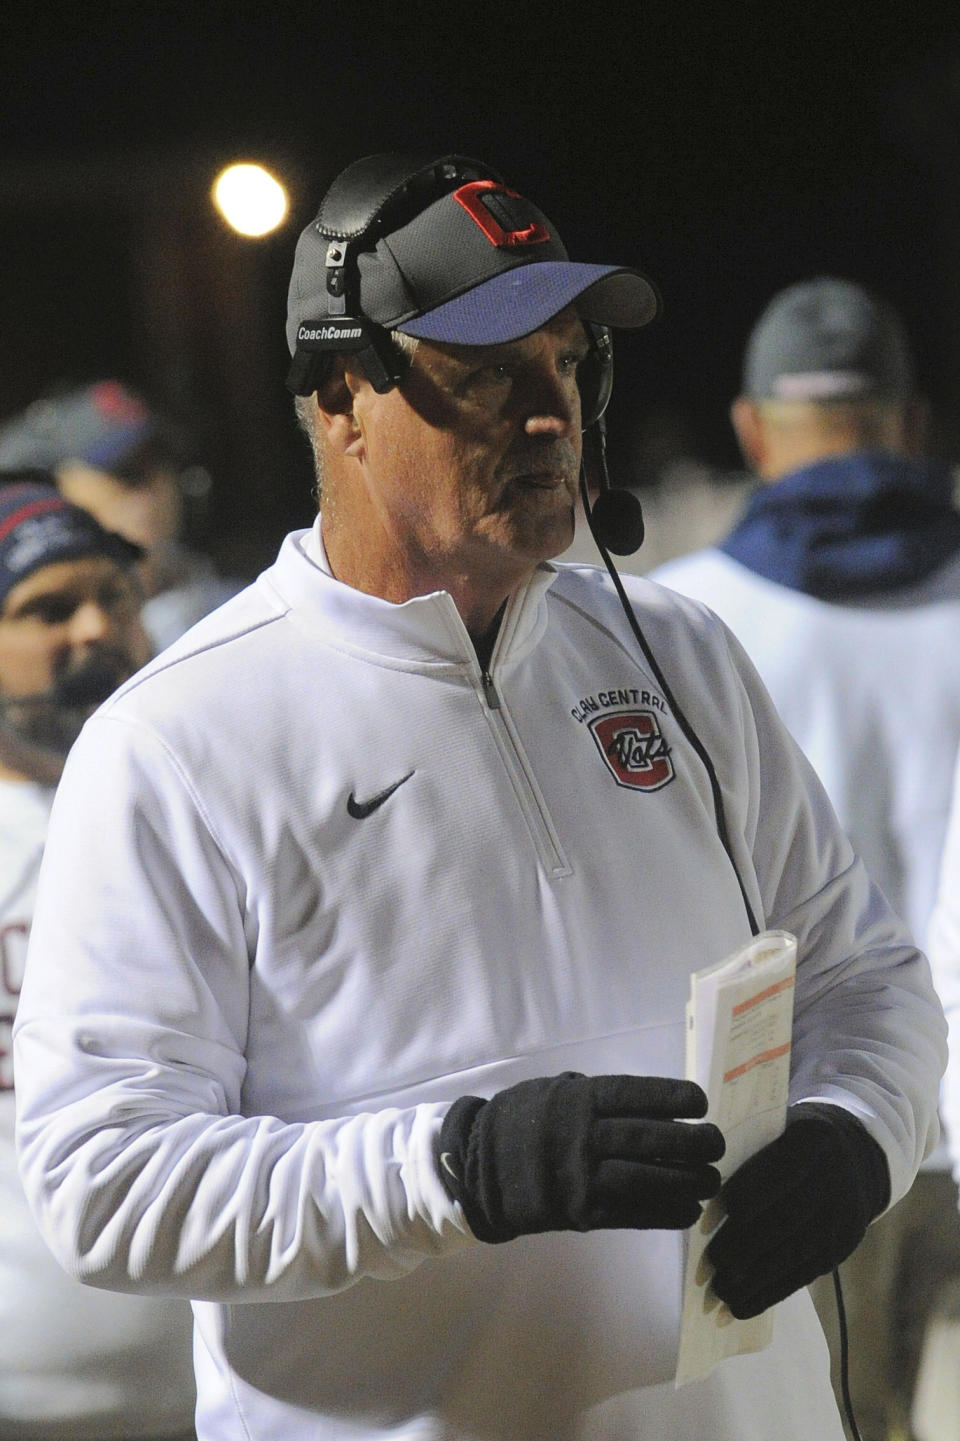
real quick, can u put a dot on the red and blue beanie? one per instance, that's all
(39, 527)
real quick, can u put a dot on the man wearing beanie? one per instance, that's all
(74, 1363)
(57, 567)
(842, 580)
(125, 462)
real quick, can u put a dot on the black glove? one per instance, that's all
(797, 1208)
(580, 1153)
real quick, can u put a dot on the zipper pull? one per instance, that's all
(490, 690)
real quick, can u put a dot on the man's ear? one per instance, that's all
(748, 428)
(335, 407)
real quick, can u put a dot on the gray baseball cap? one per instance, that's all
(474, 264)
(826, 340)
(103, 424)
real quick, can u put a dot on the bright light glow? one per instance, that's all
(250, 199)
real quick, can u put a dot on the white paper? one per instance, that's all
(739, 1025)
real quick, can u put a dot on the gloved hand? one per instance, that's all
(580, 1153)
(797, 1208)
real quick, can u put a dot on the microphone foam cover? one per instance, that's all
(616, 519)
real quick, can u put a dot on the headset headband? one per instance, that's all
(443, 250)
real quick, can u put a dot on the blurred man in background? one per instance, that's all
(74, 1363)
(125, 463)
(842, 580)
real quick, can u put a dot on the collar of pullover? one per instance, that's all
(425, 630)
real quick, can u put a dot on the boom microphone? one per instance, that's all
(616, 517)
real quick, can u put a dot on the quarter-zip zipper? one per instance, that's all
(529, 796)
(490, 690)
(532, 805)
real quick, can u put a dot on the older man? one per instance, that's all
(367, 1029)
(74, 1362)
(126, 463)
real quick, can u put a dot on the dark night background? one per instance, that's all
(727, 149)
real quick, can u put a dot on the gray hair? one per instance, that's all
(305, 409)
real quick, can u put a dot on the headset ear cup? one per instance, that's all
(384, 363)
(595, 376)
(308, 371)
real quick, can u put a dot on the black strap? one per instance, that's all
(368, 189)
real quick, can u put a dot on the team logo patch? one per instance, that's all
(493, 207)
(633, 746)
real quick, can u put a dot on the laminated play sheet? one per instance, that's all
(739, 1025)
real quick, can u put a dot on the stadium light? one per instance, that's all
(250, 199)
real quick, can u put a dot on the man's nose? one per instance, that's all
(90, 623)
(553, 405)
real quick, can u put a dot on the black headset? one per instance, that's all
(371, 198)
(374, 197)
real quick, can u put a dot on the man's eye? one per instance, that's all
(490, 377)
(115, 597)
(54, 612)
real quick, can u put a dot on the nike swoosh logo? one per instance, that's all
(445, 1158)
(361, 809)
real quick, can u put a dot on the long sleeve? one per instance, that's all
(868, 1030)
(142, 1168)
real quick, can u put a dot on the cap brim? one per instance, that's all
(521, 300)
